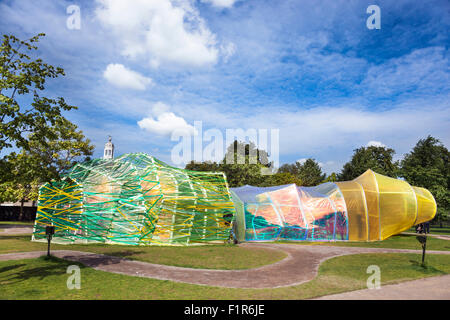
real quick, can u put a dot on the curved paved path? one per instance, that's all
(301, 265)
(12, 229)
(433, 288)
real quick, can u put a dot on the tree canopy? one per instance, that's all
(379, 159)
(428, 166)
(47, 143)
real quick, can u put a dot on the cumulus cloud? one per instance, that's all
(159, 31)
(163, 122)
(122, 77)
(375, 144)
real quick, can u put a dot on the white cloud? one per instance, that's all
(375, 144)
(227, 50)
(423, 70)
(302, 160)
(122, 77)
(159, 31)
(221, 3)
(163, 122)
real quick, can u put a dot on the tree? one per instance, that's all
(23, 79)
(242, 164)
(379, 159)
(23, 173)
(427, 166)
(55, 155)
(19, 182)
(280, 178)
(309, 172)
(49, 144)
(331, 178)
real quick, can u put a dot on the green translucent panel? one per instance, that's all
(138, 200)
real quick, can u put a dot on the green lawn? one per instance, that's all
(46, 279)
(400, 241)
(436, 230)
(207, 257)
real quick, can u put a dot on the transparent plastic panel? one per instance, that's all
(369, 184)
(397, 205)
(356, 210)
(426, 205)
(294, 213)
(138, 200)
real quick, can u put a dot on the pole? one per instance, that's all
(48, 247)
(424, 247)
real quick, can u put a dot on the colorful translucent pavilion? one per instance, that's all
(139, 200)
(135, 199)
(368, 208)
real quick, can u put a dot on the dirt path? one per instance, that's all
(433, 288)
(301, 265)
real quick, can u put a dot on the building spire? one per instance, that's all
(108, 152)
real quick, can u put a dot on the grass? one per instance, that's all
(46, 279)
(400, 241)
(436, 230)
(206, 257)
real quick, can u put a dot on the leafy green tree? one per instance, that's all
(331, 178)
(280, 178)
(19, 182)
(379, 159)
(242, 164)
(49, 144)
(55, 155)
(24, 173)
(23, 79)
(428, 166)
(309, 172)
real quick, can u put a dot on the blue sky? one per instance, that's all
(139, 69)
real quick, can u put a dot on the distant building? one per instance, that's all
(108, 153)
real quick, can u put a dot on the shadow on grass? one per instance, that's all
(55, 268)
(124, 253)
(425, 268)
(101, 259)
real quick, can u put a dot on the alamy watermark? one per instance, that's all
(374, 281)
(200, 145)
(73, 22)
(74, 281)
(374, 20)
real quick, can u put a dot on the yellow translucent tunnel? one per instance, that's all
(379, 206)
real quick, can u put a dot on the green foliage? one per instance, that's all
(49, 144)
(427, 166)
(309, 172)
(379, 159)
(331, 178)
(24, 78)
(243, 164)
(18, 180)
(280, 178)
